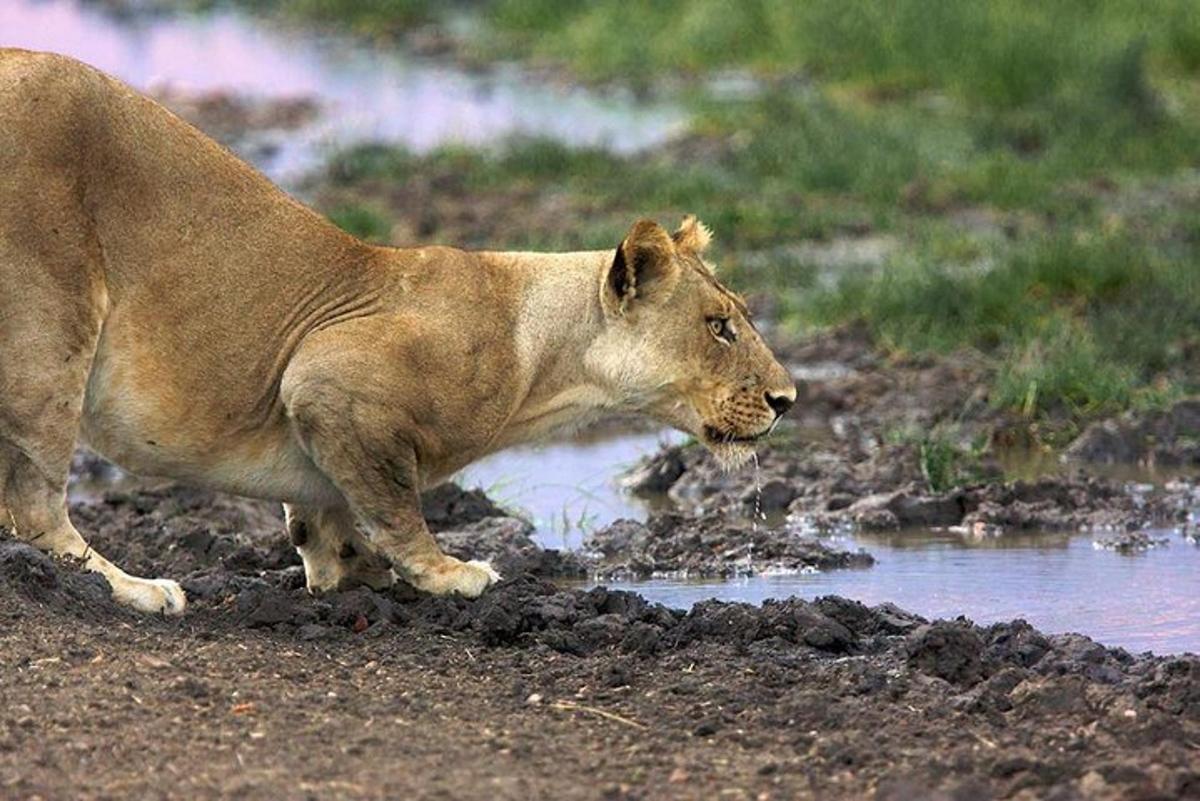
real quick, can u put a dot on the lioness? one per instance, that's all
(166, 302)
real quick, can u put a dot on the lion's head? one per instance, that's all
(682, 347)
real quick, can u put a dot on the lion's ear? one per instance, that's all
(692, 235)
(643, 269)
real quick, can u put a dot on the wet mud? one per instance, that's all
(262, 690)
(680, 546)
(1166, 438)
(888, 491)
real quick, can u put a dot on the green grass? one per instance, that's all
(1080, 323)
(362, 221)
(999, 54)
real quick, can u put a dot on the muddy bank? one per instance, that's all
(1163, 438)
(262, 691)
(254, 127)
(228, 116)
(192, 534)
(180, 531)
(679, 546)
(892, 444)
(889, 489)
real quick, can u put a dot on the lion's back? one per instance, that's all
(44, 103)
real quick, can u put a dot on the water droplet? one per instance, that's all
(758, 512)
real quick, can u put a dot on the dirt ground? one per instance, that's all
(536, 691)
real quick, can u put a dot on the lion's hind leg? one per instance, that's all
(52, 305)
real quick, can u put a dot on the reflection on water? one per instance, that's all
(568, 488)
(368, 93)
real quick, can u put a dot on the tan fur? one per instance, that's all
(165, 302)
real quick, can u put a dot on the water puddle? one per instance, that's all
(568, 489)
(1146, 601)
(1059, 582)
(365, 92)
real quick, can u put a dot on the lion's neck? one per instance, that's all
(559, 319)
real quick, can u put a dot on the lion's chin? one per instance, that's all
(730, 455)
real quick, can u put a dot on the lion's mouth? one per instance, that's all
(721, 437)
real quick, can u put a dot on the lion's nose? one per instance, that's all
(780, 402)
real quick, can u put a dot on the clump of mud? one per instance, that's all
(709, 547)
(1165, 438)
(1131, 542)
(33, 575)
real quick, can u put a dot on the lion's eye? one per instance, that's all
(721, 329)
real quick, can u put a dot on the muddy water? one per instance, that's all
(367, 93)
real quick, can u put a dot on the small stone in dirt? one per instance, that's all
(657, 474)
(265, 606)
(313, 632)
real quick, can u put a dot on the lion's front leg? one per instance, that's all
(336, 555)
(357, 445)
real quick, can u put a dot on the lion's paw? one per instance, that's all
(155, 596)
(452, 577)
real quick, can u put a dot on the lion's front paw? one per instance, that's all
(156, 596)
(452, 577)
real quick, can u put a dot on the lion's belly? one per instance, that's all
(133, 416)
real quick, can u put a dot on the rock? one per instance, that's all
(908, 507)
(1164, 437)
(1131, 542)
(948, 650)
(773, 496)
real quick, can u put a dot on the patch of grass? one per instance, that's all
(1080, 323)
(1003, 54)
(946, 460)
(363, 222)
